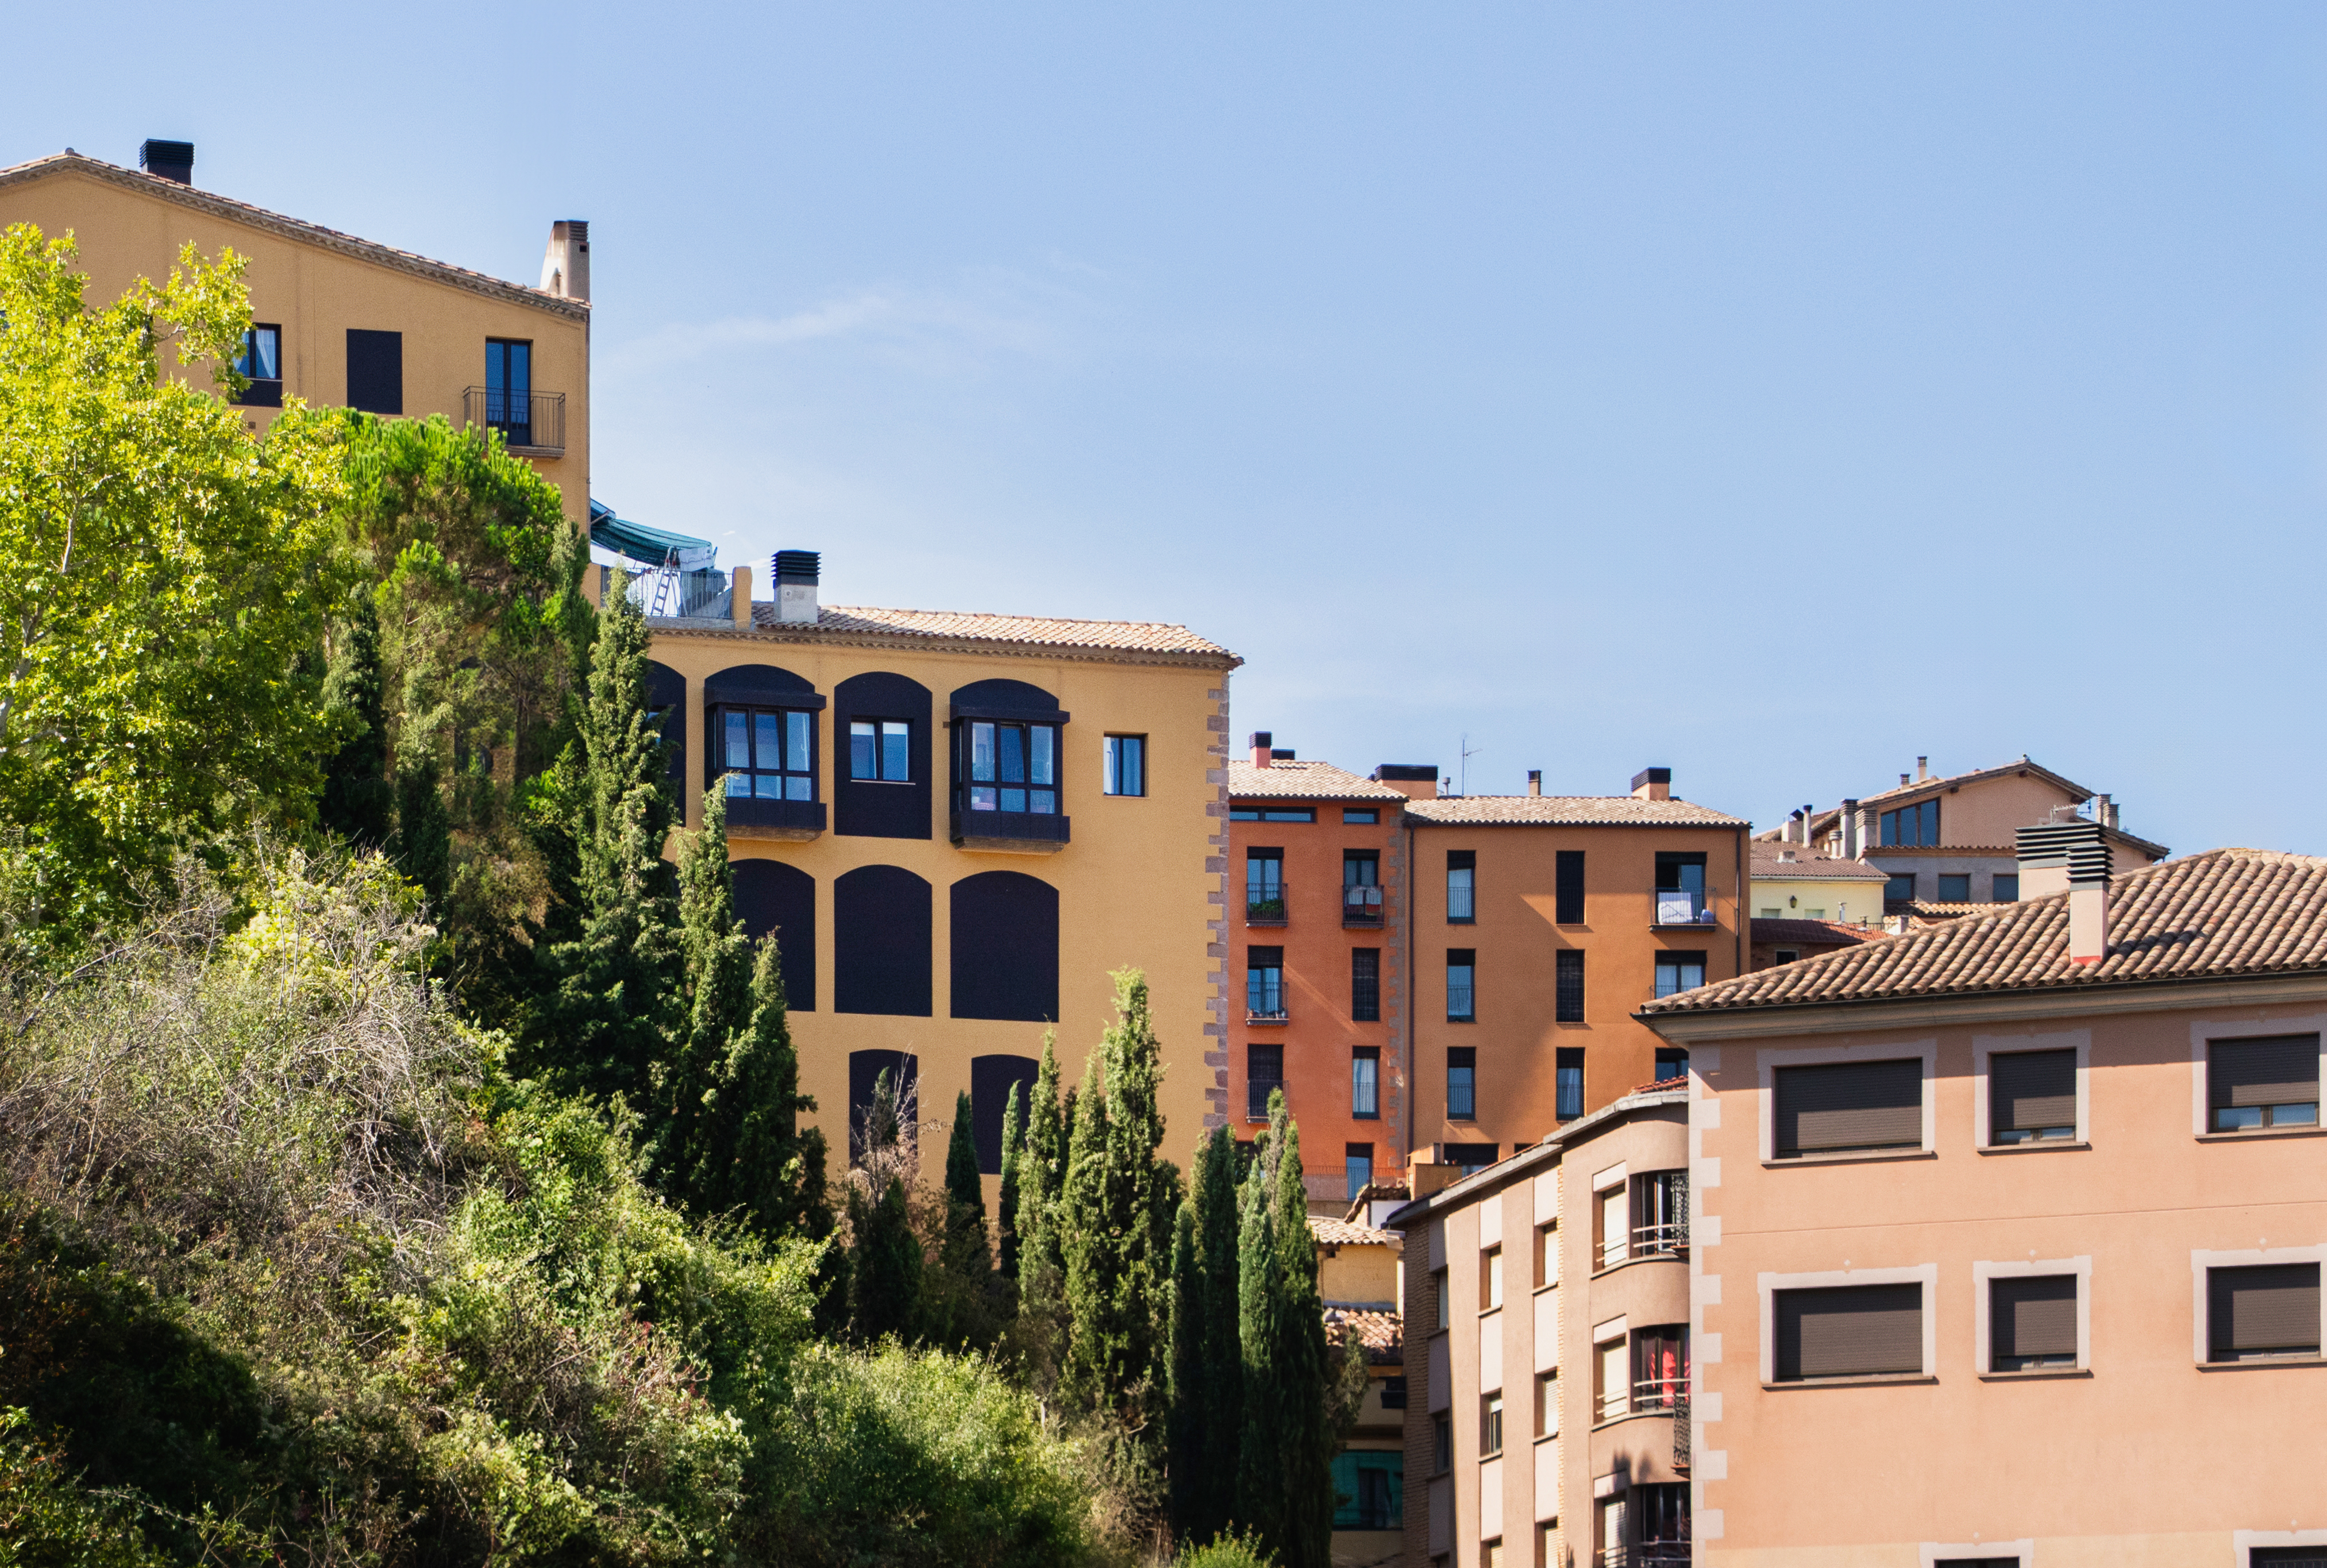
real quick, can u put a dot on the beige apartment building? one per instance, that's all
(342, 321)
(2007, 1234)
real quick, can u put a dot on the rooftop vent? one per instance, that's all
(1653, 783)
(1534, 781)
(168, 160)
(565, 263)
(797, 573)
(2073, 855)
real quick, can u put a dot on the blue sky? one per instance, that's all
(1771, 392)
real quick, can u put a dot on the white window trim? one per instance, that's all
(2034, 1268)
(1926, 1274)
(1603, 1179)
(1985, 1046)
(2199, 1262)
(2206, 1030)
(2244, 1542)
(1926, 1051)
(1613, 1329)
(1934, 1551)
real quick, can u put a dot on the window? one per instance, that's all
(1491, 1426)
(1490, 1553)
(1608, 1530)
(1547, 1404)
(1899, 888)
(1442, 1431)
(1365, 1083)
(374, 371)
(1955, 887)
(881, 751)
(2261, 1313)
(2252, 1084)
(1461, 967)
(1365, 984)
(1358, 1160)
(1789, 954)
(1462, 1083)
(1567, 887)
(1003, 930)
(1491, 1279)
(1611, 1379)
(2032, 1322)
(2031, 1095)
(1393, 1393)
(1911, 826)
(1567, 986)
(1849, 1107)
(1659, 1214)
(1264, 983)
(1273, 813)
(1568, 1079)
(1361, 894)
(1848, 1332)
(1264, 885)
(261, 360)
(1672, 1062)
(768, 753)
(1441, 1307)
(1469, 1157)
(1660, 1366)
(508, 389)
(1357, 814)
(1681, 896)
(1679, 972)
(1124, 766)
(1012, 767)
(1546, 1254)
(1771, 915)
(1366, 1487)
(1264, 1073)
(1461, 885)
(1661, 1522)
(1612, 1224)
(2004, 887)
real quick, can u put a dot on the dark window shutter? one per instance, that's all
(374, 371)
(990, 1078)
(2259, 1310)
(1005, 948)
(2033, 1317)
(2030, 1090)
(2277, 1071)
(865, 1071)
(1567, 998)
(774, 897)
(881, 942)
(1853, 1105)
(1849, 1332)
(1567, 887)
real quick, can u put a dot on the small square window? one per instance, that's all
(1125, 770)
(1899, 888)
(2004, 887)
(2032, 1322)
(1365, 815)
(880, 751)
(2253, 1084)
(1955, 887)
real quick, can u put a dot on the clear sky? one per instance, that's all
(1771, 392)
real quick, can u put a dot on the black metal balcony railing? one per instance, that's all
(1361, 906)
(530, 422)
(1646, 1555)
(1684, 1437)
(1264, 904)
(1255, 1097)
(1682, 906)
(1265, 1002)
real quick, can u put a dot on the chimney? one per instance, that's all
(1904, 780)
(1415, 780)
(739, 598)
(168, 160)
(795, 578)
(1923, 769)
(2103, 812)
(1281, 754)
(1535, 781)
(1653, 783)
(1849, 824)
(565, 263)
(2070, 856)
(1263, 751)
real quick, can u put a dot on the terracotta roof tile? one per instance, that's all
(1329, 1232)
(2225, 913)
(1031, 631)
(1565, 811)
(1289, 779)
(1808, 866)
(1383, 1333)
(1827, 933)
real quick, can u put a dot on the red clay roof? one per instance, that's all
(1811, 933)
(840, 622)
(1292, 780)
(1383, 1333)
(1807, 865)
(1564, 811)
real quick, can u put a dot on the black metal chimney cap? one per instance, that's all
(1651, 776)
(169, 160)
(1407, 772)
(797, 566)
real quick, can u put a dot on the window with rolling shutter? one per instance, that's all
(2031, 1323)
(2254, 1313)
(1848, 1332)
(2031, 1095)
(1849, 1106)
(2287, 1557)
(2271, 1082)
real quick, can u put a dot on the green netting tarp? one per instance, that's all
(647, 547)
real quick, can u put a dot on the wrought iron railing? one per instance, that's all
(1682, 906)
(1361, 906)
(1684, 1436)
(1255, 1097)
(529, 420)
(1264, 904)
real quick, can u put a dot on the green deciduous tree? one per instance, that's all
(169, 576)
(358, 802)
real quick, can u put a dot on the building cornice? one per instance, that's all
(914, 642)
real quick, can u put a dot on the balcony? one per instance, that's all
(1652, 1395)
(1265, 903)
(533, 423)
(1646, 1555)
(1361, 906)
(1682, 906)
(1012, 831)
(1255, 1097)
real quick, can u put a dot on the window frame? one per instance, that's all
(264, 391)
(1677, 959)
(1995, 887)
(2202, 1264)
(1349, 1154)
(1985, 1273)
(1365, 1088)
(1890, 894)
(718, 767)
(2204, 1037)
(1469, 1063)
(1561, 1066)
(1924, 1050)
(1361, 816)
(1567, 874)
(881, 727)
(1567, 993)
(1927, 826)
(1491, 1424)
(1276, 1047)
(1465, 861)
(1769, 1285)
(1986, 1048)
(967, 783)
(1280, 1013)
(1119, 756)
(1492, 1279)
(498, 356)
(1939, 886)
(1465, 959)
(1365, 990)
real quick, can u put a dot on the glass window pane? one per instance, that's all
(1013, 800)
(768, 786)
(798, 787)
(862, 744)
(1043, 802)
(981, 755)
(1135, 765)
(1043, 739)
(1111, 773)
(1458, 893)
(798, 730)
(982, 798)
(265, 355)
(1013, 739)
(768, 742)
(1931, 822)
(738, 784)
(895, 765)
(739, 740)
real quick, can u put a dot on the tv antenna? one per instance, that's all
(1469, 751)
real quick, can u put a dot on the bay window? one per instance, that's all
(1011, 767)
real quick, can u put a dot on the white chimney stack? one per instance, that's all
(1923, 769)
(796, 574)
(1847, 820)
(2074, 857)
(1535, 781)
(565, 263)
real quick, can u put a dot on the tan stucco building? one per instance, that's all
(339, 320)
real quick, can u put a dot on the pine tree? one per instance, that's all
(607, 1015)
(357, 800)
(1013, 1153)
(967, 1251)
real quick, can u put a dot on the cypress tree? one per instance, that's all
(421, 845)
(1185, 1422)
(884, 1281)
(1260, 1305)
(1218, 1222)
(967, 1249)
(1078, 1214)
(1041, 1175)
(1013, 1147)
(1304, 1373)
(358, 800)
